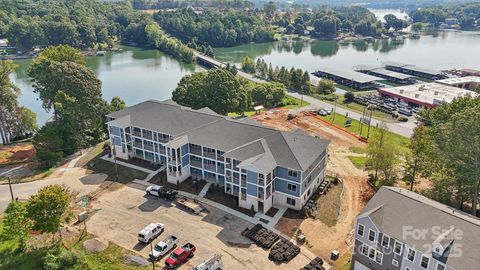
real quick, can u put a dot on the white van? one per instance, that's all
(147, 234)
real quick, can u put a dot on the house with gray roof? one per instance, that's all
(400, 229)
(261, 166)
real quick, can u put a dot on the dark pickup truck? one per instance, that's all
(180, 255)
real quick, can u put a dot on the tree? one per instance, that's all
(8, 100)
(117, 104)
(417, 160)
(391, 21)
(327, 25)
(382, 156)
(325, 87)
(48, 144)
(349, 96)
(16, 224)
(248, 65)
(270, 8)
(49, 208)
(27, 122)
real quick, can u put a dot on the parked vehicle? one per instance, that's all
(163, 247)
(150, 232)
(322, 112)
(190, 205)
(405, 112)
(180, 255)
(162, 192)
(213, 263)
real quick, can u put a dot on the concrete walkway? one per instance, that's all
(204, 190)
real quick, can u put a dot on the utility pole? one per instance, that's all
(361, 122)
(10, 186)
(115, 160)
(153, 261)
(369, 123)
(334, 111)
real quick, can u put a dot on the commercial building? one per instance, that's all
(415, 71)
(402, 230)
(428, 95)
(386, 74)
(470, 82)
(349, 78)
(259, 165)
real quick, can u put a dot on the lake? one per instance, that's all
(133, 74)
(137, 75)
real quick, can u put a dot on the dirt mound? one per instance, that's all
(23, 152)
(95, 245)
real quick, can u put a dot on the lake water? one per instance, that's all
(133, 74)
(137, 75)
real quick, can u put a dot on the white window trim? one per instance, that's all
(394, 262)
(375, 235)
(376, 256)
(358, 229)
(389, 239)
(441, 264)
(408, 253)
(428, 262)
(293, 187)
(401, 247)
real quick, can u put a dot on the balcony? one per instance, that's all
(209, 154)
(163, 139)
(148, 147)
(260, 195)
(172, 161)
(220, 158)
(161, 151)
(210, 178)
(196, 163)
(261, 182)
(196, 151)
(236, 180)
(137, 133)
(244, 183)
(209, 167)
(221, 170)
(138, 145)
(148, 136)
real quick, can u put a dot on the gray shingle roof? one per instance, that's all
(391, 209)
(241, 140)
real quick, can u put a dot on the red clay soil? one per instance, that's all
(24, 152)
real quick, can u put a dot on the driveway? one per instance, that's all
(124, 212)
(73, 178)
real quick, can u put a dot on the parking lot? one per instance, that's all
(387, 104)
(124, 212)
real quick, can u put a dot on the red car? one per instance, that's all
(180, 255)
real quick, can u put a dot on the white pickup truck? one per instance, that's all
(163, 247)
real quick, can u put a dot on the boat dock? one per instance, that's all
(349, 78)
(392, 76)
(415, 71)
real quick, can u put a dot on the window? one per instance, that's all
(394, 262)
(378, 257)
(371, 253)
(292, 173)
(360, 229)
(411, 255)
(424, 262)
(371, 235)
(292, 187)
(291, 201)
(364, 250)
(397, 248)
(441, 267)
(385, 241)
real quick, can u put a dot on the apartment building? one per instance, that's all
(261, 166)
(400, 229)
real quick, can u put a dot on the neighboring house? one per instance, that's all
(260, 165)
(451, 21)
(400, 229)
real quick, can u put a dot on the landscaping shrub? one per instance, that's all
(61, 259)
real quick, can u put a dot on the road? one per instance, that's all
(73, 178)
(405, 129)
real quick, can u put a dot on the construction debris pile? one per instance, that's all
(263, 237)
(315, 264)
(283, 251)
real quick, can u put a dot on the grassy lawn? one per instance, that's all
(343, 263)
(291, 103)
(94, 164)
(339, 120)
(358, 161)
(358, 150)
(328, 205)
(356, 107)
(109, 259)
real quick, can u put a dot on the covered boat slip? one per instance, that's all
(392, 76)
(349, 78)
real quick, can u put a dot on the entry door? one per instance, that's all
(260, 207)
